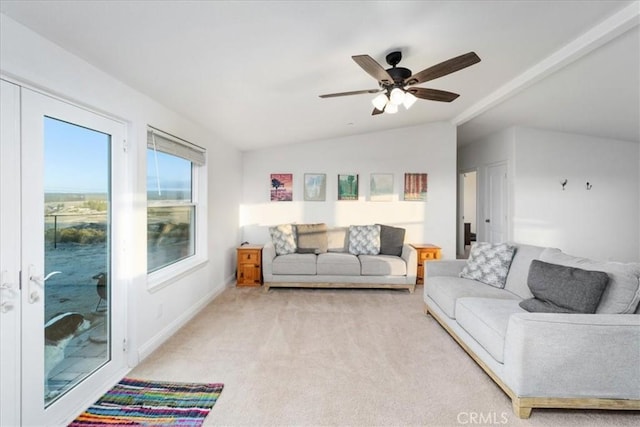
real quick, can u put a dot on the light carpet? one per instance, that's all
(314, 357)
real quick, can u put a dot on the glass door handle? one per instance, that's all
(39, 280)
(32, 291)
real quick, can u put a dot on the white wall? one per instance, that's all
(601, 223)
(28, 58)
(427, 149)
(479, 155)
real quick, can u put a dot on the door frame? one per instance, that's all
(461, 197)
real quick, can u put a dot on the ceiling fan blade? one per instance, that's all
(375, 112)
(355, 92)
(442, 69)
(432, 94)
(373, 68)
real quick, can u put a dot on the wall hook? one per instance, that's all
(589, 186)
(563, 183)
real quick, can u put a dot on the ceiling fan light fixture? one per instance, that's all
(409, 100)
(396, 97)
(380, 101)
(391, 108)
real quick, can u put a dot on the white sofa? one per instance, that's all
(545, 360)
(337, 268)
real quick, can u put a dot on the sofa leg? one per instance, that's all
(426, 309)
(520, 411)
(411, 288)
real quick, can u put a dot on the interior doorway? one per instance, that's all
(468, 212)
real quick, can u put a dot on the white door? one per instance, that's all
(496, 219)
(69, 214)
(9, 254)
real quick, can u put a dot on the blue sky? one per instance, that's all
(77, 161)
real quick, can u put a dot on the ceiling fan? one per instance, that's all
(396, 83)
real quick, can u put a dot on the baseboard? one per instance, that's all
(157, 340)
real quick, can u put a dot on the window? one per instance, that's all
(175, 209)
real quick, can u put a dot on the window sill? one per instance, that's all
(174, 272)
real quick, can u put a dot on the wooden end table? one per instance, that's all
(426, 252)
(249, 265)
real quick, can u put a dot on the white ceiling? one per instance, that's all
(252, 71)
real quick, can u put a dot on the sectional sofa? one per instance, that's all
(316, 256)
(553, 357)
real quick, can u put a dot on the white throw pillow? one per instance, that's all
(489, 263)
(284, 239)
(364, 239)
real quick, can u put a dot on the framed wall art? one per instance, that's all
(347, 187)
(281, 187)
(381, 187)
(415, 186)
(315, 187)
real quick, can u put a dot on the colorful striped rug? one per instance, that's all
(139, 402)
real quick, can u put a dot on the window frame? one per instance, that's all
(171, 273)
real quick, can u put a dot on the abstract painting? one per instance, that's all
(315, 187)
(415, 186)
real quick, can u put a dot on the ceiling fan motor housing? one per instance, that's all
(398, 74)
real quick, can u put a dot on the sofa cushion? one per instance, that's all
(489, 263)
(623, 291)
(382, 265)
(284, 239)
(364, 239)
(294, 264)
(519, 269)
(445, 290)
(486, 320)
(338, 264)
(338, 239)
(562, 289)
(312, 238)
(391, 240)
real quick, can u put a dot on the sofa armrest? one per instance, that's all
(268, 255)
(573, 355)
(450, 267)
(410, 257)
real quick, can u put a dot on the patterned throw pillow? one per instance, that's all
(284, 239)
(364, 239)
(489, 263)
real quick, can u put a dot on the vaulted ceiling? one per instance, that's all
(252, 71)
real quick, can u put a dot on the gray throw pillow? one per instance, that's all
(284, 238)
(312, 238)
(364, 239)
(564, 289)
(489, 263)
(391, 240)
(535, 305)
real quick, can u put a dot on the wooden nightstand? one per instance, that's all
(249, 265)
(426, 252)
